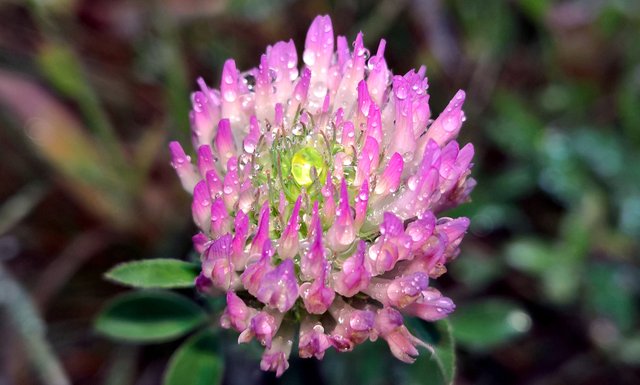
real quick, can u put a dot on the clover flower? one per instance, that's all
(316, 194)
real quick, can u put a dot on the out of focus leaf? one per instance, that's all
(63, 68)
(530, 255)
(358, 369)
(476, 269)
(60, 139)
(561, 283)
(628, 101)
(494, 36)
(563, 175)
(149, 316)
(196, 362)
(438, 368)
(536, 9)
(517, 130)
(611, 292)
(155, 273)
(488, 323)
(629, 351)
(602, 151)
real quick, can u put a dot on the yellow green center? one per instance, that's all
(303, 162)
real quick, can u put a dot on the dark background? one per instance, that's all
(548, 279)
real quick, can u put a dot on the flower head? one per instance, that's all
(316, 192)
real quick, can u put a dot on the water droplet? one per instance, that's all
(309, 57)
(297, 129)
(412, 183)
(401, 92)
(249, 146)
(228, 190)
(319, 90)
(293, 74)
(230, 96)
(250, 81)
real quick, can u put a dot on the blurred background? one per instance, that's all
(548, 279)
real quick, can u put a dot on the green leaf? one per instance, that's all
(437, 368)
(154, 273)
(149, 316)
(531, 255)
(196, 362)
(610, 292)
(485, 324)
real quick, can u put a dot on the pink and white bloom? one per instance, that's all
(316, 191)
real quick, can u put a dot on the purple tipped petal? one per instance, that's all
(348, 134)
(214, 183)
(224, 143)
(364, 102)
(392, 246)
(230, 90)
(231, 184)
(205, 159)
(421, 229)
(203, 284)
(367, 160)
(389, 181)
(250, 141)
(404, 141)
(313, 341)
(317, 296)
(279, 287)
(201, 206)
(181, 162)
(374, 123)
(217, 265)
(241, 226)
(276, 356)
(402, 343)
(400, 291)
(301, 91)
(279, 115)
(200, 242)
(288, 246)
(352, 326)
(342, 51)
(254, 273)
(318, 47)
(354, 276)
(405, 290)
(447, 125)
(342, 234)
(263, 326)
(313, 262)
(362, 199)
(431, 307)
(378, 75)
(237, 314)
(220, 220)
(202, 118)
(262, 234)
(329, 204)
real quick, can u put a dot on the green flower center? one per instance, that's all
(303, 162)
